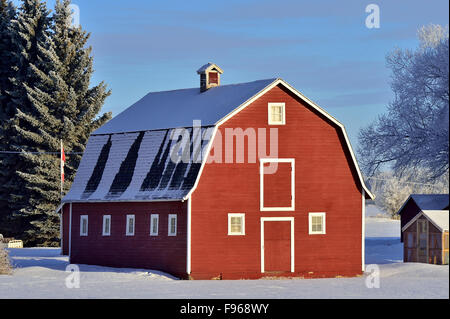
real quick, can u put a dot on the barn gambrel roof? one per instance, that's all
(136, 167)
(127, 158)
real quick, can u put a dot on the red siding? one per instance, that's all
(326, 181)
(277, 246)
(65, 229)
(160, 252)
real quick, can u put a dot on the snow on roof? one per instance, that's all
(136, 166)
(431, 201)
(438, 217)
(171, 109)
(205, 67)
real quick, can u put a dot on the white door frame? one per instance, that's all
(278, 219)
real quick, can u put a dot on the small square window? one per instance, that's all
(316, 223)
(277, 114)
(154, 224)
(130, 225)
(236, 224)
(83, 225)
(106, 225)
(172, 225)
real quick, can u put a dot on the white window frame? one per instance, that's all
(171, 216)
(104, 233)
(129, 217)
(283, 113)
(242, 232)
(82, 218)
(263, 161)
(323, 231)
(152, 217)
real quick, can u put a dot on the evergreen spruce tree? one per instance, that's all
(55, 102)
(7, 14)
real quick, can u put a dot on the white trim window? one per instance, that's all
(263, 161)
(277, 113)
(154, 224)
(106, 225)
(84, 224)
(172, 225)
(236, 224)
(130, 225)
(316, 223)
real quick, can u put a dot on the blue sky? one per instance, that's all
(322, 48)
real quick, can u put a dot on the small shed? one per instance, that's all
(426, 238)
(420, 202)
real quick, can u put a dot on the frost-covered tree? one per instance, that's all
(414, 131)
(54, 101)
(392, 190)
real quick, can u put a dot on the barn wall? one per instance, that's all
(160, 252)
(65, 229)
(326, 181)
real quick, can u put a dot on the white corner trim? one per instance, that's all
(268, 219)
(262, 161)
(324, 223)
(188, 254)
(363, 231)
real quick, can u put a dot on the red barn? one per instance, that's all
(223, 181)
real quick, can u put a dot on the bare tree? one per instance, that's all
(414, 131)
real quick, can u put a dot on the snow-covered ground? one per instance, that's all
(41, 273)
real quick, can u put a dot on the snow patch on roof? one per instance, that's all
(438, 218)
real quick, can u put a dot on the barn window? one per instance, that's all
(236, 224)
(154, 224)
(83, 225)
(130, 225)
(106, 225)
(277, 114)
(172, 224)
(316, 223)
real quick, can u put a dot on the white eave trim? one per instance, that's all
(301, 96)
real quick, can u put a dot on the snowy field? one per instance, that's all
(40, 273)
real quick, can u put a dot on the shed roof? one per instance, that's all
(438, 218)
(428, 201)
